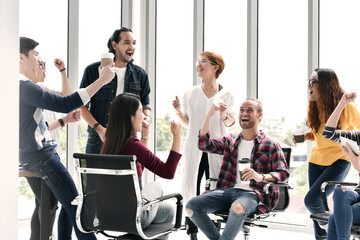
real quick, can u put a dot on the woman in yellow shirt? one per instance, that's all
(327, 161)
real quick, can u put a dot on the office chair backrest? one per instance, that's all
(111, 192)
(284, 197)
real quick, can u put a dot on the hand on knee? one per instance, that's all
(237, 208)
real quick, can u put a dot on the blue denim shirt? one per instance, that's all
(136, 82)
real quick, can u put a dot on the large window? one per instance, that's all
(282, 81)
(339, 41)
(174, 68)
(225, 33)
(97, 22)
(339, 46)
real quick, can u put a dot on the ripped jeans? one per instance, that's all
(222, 199)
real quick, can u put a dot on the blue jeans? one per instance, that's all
(57, 177)
(346, 212)
(222, 200)
(317, 175)
(93, 145)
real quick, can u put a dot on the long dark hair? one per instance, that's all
(330, 93)
(119, 129)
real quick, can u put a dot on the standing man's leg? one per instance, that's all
(35, 185)
(57, 177)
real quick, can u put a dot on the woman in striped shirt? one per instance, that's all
(346, 202)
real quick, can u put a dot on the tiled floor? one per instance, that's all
(256, 234)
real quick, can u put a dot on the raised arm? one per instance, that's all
(335, 116)
(106, 74)
(184, 120)
(206, 124)
(65, 85)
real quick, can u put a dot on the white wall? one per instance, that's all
(9, 118)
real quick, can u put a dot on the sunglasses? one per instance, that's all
(203, 61)
(42, 65)
(312, 82)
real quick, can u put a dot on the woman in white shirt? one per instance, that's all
(195, 104)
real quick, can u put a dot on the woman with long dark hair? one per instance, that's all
(327, 161)
(125, 120)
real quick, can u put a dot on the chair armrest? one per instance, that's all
(329, 183)
(272, 184)
(179, 207)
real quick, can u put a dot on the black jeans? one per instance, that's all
(203, 169)
(35, 184)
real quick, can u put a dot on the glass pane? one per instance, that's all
(226, 34)
(46, 23)
(282, 77)
(97, 22)
(174, 68)
(339, 47)
(339, 41)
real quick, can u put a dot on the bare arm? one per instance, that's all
(65, 85)
(335, 116)
(227, 119)
(88, 117)
(206, 124)
(73, 116)
(176, 131)
(184, 120)
(105, 76)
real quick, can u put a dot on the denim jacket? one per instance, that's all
(136, 82)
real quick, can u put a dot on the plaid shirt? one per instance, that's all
(267, 157)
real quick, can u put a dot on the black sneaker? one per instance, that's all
(193, 236)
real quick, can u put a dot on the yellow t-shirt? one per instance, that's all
(325, 152)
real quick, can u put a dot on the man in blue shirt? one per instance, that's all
(129, 78)
(37, 148)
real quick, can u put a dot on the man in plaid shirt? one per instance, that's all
(250, 160)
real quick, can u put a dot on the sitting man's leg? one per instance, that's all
(199, 207)
(244, 204)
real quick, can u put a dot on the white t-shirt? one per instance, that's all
(120, 72)
(244, 151)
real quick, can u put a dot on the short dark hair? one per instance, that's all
(116, 37)
(27, 44)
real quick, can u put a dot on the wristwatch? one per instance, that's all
(95, 126)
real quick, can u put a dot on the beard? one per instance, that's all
(122, 57)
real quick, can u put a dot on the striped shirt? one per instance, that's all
(267, 157)
(334, 135)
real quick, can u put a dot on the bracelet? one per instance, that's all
(227, 118)
(95, 126)
(263, 179)
(62, 69)
(61, 121)
(145, 137)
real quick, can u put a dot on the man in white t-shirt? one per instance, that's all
(128, 78)
(250, 159)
